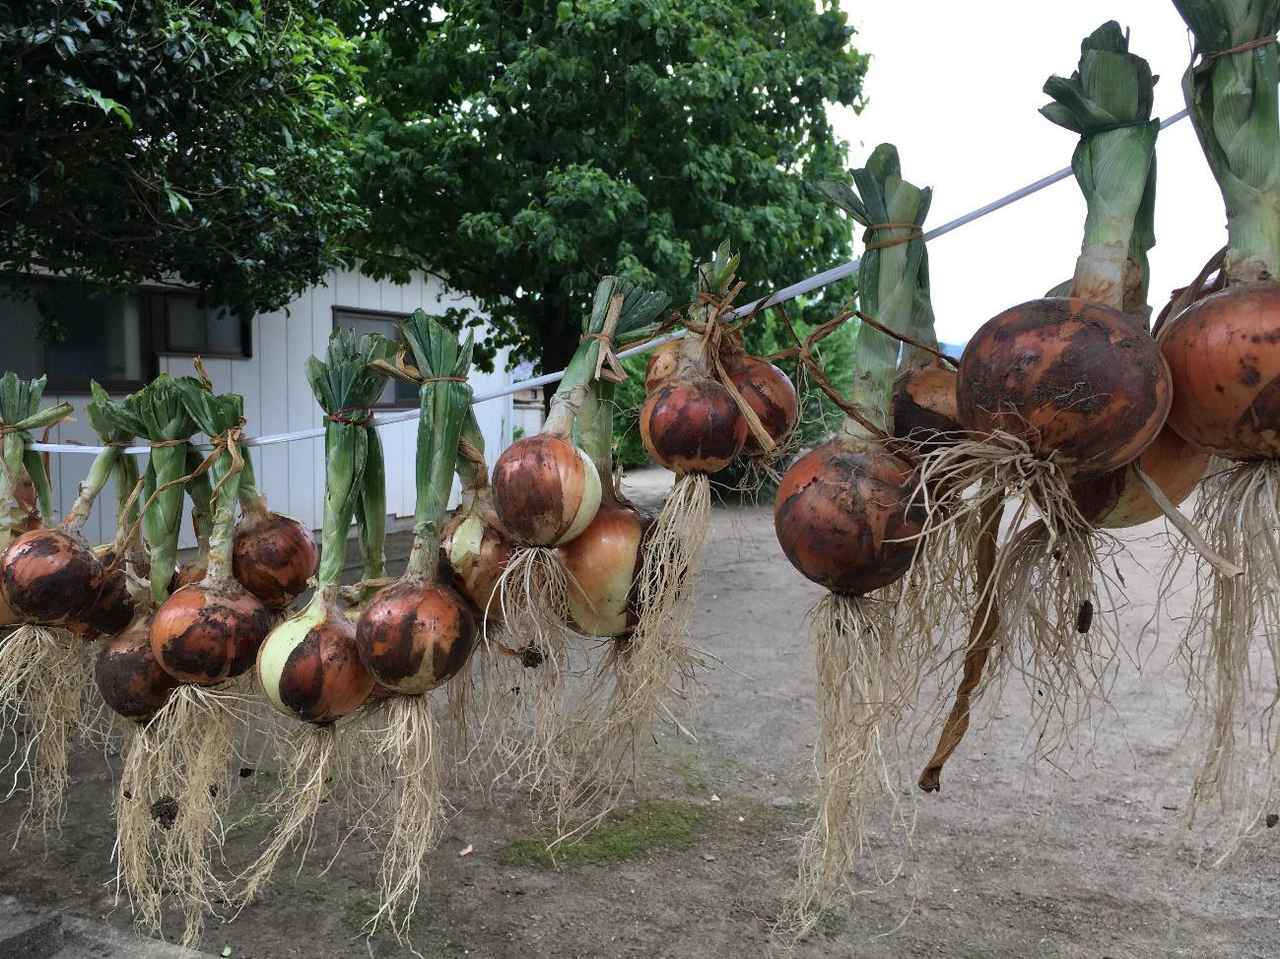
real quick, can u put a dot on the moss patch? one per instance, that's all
(624, 836)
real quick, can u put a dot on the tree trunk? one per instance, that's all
(560, 334)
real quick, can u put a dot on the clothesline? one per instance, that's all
(786, 294)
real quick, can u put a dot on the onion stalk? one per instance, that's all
(1053, 394)
(309, 667)
(1225, 365)
(547, 490)
(176, 784)
(845, 519)
(418, 633)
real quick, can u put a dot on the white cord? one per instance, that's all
(786, 294)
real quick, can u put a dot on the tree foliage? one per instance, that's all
(200, 140)
(520, 150)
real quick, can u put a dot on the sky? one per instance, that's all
(957, 87)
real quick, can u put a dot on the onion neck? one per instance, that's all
(595, 436)
(340, 496)
(223, 530)
(373, 508)
(1253, 236)
(443, 410)
(99, 472)
(11, 514)
(162, 521)
(253, 505)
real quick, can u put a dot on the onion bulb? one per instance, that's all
(1119, 499)
(208, 633)
(1223, 357)
(602, 564)
(842, 516)
(50, 576)
(1077, 381)
(273, 557)
(309, 667)
(129, 677)
(414, 635)
(545, 490)
(771, 396)
(924, 406)
(477, 553)
(692, 426)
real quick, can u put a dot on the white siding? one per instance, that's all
(277, 399)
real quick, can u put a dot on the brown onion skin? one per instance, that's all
(112, 609)
(1223, 357)
(323, 679)
(413, 636)
(838, 509)
(129, 678)
(692, 426)
(25, 493)
(662, 365)
(1119, 500)
(7, 616)
(771, 396)
(273, 557)
(539, 484)
(50, 576)
(188, 574)
(207, 634)
(924, 407)
(479, 583)
(1074, 379)
(614, 540)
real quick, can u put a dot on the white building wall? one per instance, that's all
(278, 399)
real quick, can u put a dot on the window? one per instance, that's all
(74, 333)
(184, 324)
(396, 394)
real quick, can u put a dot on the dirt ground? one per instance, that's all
(1009, 860)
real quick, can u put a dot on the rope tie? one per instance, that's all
(914, 232)
(608, 366)
(349, 416)
(1208, 59)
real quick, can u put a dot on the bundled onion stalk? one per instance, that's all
(844, 519)
(418, 633)
(546, 491)
(49, 578)
(175, 784)
(309, 667)
(1224, 356)
(1053, 394)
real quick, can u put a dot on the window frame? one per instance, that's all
(366, 313)
(158, 296)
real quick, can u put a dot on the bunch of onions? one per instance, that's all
(176, 784)
(309, 667)
(844, 518)
(47, 577)
(419, 632)
(1224, 357)
(1053, 394)
(546, 492)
